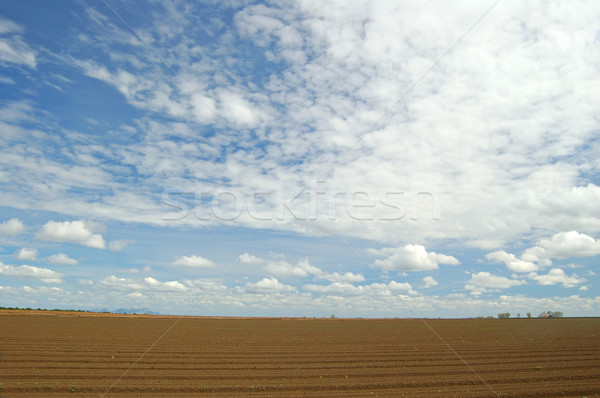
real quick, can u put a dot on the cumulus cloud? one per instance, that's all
(560, 245)
(411, 258)
(11, 227)
(283, 268)
(511, 261)
(167, 286)
(149, 284)
(555, 276)
(62, 259)
(429, 281)
(304, 269)
(483, 282)
(268, 286)
(27, 271)
(247, 258)
(341, 277)
(193, 261)
(136, 295)
(569, 244)
(26, 253)
(78, 232)
(348, 289)
(121, 283)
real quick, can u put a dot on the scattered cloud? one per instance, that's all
(511, 261)
(557, 276)
(347, 289)
(271, 136)
(26, 253)
(568, 244)
(78, 232)
(246, 258)
(13, 50)
(12, 227)
(136, 295)
(559, 246)
(267, 286)
(429, 282)
(483, 282)
(28, 271)
(148, 284)
(411, 258)
(61, 259)
(193, 261)
(167, 286)
(304, 269)
(283, 269)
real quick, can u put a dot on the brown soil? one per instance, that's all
(51, 354)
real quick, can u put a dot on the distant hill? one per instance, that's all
(141, 311)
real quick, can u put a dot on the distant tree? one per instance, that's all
(551, 314)
(504, 315)
(518, 315)
(529, 315)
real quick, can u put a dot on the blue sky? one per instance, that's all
(300, 159)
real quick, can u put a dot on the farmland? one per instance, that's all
(55, 354)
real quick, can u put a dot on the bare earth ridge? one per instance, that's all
(52, 354)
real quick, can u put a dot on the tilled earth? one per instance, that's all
(51, 354)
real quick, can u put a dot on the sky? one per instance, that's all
(356, 159)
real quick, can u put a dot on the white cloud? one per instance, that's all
(174, 285)
(570, 244)
(27, 271)
(61, 258)
(121, 283)
(341, 277)
(247, 258)
(26, 253)
(118, 245)
(560, 245)
(411, 258)
(557, 275)
(310, 101)
(511, 261)
(283, 268)
(336, 288)
(167, 286)
(429, 281)
(305, 269)
(78, 232)
(344, 289)
(149, 284)
(11, 227)
(193, 261)
(483, 282)
(12, 48)
(136, 295)
(268, 286)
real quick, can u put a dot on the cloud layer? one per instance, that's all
(302, 155)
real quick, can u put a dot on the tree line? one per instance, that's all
(544, 314)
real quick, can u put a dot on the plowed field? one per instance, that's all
(50, 354)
